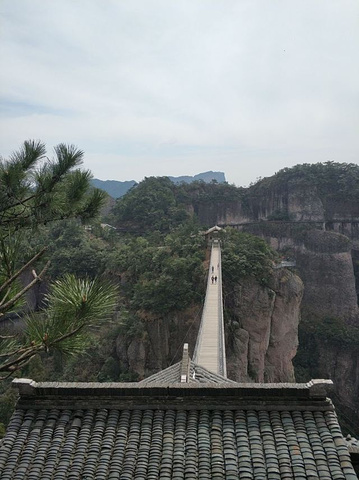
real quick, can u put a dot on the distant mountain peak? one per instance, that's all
(117, 189)
(206, 177)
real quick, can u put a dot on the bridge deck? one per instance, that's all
(210, 347)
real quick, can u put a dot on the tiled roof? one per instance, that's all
(185, 431)
(216, 228)
(197, 374)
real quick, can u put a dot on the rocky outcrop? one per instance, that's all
(283, 341)
(160, 344)
(291, 202)
(342, 366)
(324, 262)
(262, 337)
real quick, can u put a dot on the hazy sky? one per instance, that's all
(175, 87)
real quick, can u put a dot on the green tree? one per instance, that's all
(151, 205)
(161, 274)
(74, 249)
(245, 255)
(35, 191)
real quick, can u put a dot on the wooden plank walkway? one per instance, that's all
(210, 347)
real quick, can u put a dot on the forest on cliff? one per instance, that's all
(282, 324)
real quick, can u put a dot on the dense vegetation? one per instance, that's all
(161, 270)
(158, 204)
(151, 205)
(331, 180)
(161, 274)
(243, 256)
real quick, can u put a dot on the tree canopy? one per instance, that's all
(331, 179)
(150, 205)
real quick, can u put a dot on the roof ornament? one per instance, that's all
(185, 364)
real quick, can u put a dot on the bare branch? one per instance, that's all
(3, 300)
(18, 362)
(23, 364)
(22, 269)
(12, 302)
(17, 351)
(5, 377)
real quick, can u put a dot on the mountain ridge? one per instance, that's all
(117, 188)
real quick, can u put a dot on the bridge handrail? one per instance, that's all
(221, 337)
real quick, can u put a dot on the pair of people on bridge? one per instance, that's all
(214, 278)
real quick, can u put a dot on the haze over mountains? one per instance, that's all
(117, 189)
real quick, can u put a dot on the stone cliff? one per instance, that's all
(329, 331)
(286, 199)
(161, 342)
(262, 336)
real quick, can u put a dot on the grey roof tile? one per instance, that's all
(199, 441)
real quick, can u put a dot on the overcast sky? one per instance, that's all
(178, 87)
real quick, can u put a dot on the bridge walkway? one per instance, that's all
(210, 347)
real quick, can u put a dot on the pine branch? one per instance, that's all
(67, 335)
(19, 202)
(16, 297)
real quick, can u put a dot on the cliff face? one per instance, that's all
(324, 263)
(161, 342)
(290, 202)
(319, 229)
(342, 365)
(262, 338)
(298, 203)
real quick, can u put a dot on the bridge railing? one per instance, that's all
(221, 335)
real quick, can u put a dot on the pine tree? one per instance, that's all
(34, 191)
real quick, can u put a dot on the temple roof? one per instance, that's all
(185, 430)
(216, 228)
